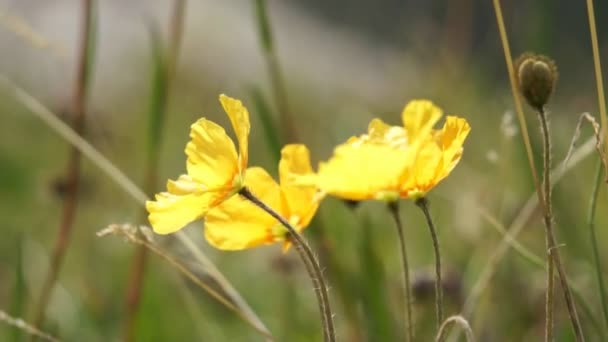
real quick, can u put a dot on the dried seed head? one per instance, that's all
(536, 78)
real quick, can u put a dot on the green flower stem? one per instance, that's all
(552, 250)
(394, 209)
(596, 253)
(423, 204)
(310, 262)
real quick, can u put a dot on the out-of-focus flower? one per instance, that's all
(215, 171)
(391, 162)
(239, 224)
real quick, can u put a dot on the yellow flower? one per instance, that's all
(215, 171)
(391, 162)
(238, 224)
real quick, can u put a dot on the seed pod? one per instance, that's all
(536, 78)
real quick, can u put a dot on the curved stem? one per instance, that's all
(457, 319)
(310, 262)
(394, 209)
(593, 237)
(423, 204)
(551, 241)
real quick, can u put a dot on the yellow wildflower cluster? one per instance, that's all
(387, 163)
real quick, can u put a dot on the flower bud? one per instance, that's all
(536, 78)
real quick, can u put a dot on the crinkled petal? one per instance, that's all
(238, 224)
(421, 176)
(363, 171)
(382, 133)
(418, 118)
(451, 139)
(436, 158)
(212, 158)
(170, 213)
(184, 185)
(239, 117)
(301, 201)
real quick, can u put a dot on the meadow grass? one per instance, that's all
(364, 267)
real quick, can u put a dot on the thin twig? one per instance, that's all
(586, 117)
(73, 173)
(537, 261)
(310, 261)
(140, 236)
(517, 226)
(423, 204)
(548, 220)
(27, 33)
(598, 71)
(394, 210)
(552, 250)
(518, 107)
(596, 253)
(459, 320)
(28, 328)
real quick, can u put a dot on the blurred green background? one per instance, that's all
(343, 63)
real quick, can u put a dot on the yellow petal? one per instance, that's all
(418, 118)
(184, 185)
(450, 140)
(436, 158)
(239, 117)
(170, 213)
(380, 132)
(212, 158)
(301, 201)
(238, 224)
(377, 129)
(360, 172)
(421, 176)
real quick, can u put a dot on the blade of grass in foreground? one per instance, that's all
(18, 292)
(128, 187)
(593, 237)
(265, 114)
(28, 328)
(287, 129)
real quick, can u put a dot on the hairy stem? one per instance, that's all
(423, 204)
(73, 173)
(548, 220)
(310, 262)
(394, 209)
(552, 250)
